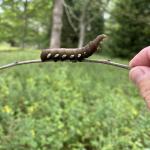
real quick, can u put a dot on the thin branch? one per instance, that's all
(71, 11)
(20, 63)
(70, 20)
(107, 62)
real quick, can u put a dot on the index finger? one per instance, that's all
(142, 58)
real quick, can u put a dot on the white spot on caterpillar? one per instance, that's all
(72, 56)
(84, 53)
(49, 55)
(57, 55)
(64, 56)
(79, 55)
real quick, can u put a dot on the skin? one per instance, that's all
(140, 73)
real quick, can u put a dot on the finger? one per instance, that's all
(144, 87)
(139, 73)
(141, 77)
(142, 58)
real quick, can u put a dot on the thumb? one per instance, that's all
(140, 75)
(136, 74)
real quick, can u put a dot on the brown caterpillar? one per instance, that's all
(77, 54)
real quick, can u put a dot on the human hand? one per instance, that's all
(140, 73)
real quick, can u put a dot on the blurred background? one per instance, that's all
(65, 106)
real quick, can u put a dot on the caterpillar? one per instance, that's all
(77, 54)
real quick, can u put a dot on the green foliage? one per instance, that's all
(69, 107)
(24, 23)
(129, 26)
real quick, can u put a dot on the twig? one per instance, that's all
(73, 15)
(20, 63)
(70, 20)
(107, 62)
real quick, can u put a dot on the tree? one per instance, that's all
(129, 27)
(91, 18)
(82, 23)
(57, 24)
(25, 18)
(9, 22)
(85, 19)
(25, 22)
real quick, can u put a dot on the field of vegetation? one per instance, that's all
(70, 106)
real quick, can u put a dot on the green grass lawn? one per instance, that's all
(70, 106)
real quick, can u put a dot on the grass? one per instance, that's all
(70, 106)
(5, 47)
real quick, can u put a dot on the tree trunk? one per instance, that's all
(25, 26)
(55, 40)
(82, 31)
(82, 24)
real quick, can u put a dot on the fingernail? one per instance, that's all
(136, 74)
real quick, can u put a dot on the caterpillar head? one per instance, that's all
(93, 45)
